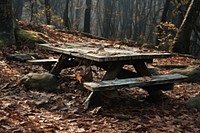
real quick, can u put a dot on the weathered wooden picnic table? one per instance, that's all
(112, 59)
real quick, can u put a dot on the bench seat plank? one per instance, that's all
(133, 82)
(42, 61)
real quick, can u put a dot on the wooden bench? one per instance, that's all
(46, 63)
(133, 82)
(42, 61)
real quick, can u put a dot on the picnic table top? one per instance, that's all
(102, 52)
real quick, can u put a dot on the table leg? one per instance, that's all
(59, 65)
(123, 74)
(141, 68)
(95, 98)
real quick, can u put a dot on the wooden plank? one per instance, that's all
(87, 51)
(133, 82)
(46, 63)
(42, 61)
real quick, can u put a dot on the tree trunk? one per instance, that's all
(48, 11)
(163, 19)
(182, 39)
(65, 16)
(108, 12)
(87, 16)
(7, 25)
(18, 6)
(34, 11)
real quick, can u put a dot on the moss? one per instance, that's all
(193, 73)
(31, 36)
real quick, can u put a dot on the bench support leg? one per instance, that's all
(141, 68)
(154, 94)
(63, 62)
(47, 66)
(95, 98)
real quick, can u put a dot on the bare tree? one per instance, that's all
(47, 11)
(7, 28)
(108, 12)
(163, 19)
(66, 17)
(87, 16)
(18, 6)
(34, 10)
(182, 39)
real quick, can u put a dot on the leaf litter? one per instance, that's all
(23, 110)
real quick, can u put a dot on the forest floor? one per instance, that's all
(23, 110)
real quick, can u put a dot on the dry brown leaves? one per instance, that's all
(23, 110)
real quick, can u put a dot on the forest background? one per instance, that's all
(144, 22)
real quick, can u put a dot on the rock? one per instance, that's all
(194, 101)
(40, 81)
(22, 57)
(192, 72)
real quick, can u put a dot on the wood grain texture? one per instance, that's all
(42, 61)
(134, 82)
(100, 53)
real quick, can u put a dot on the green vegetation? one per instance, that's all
(31, 36)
